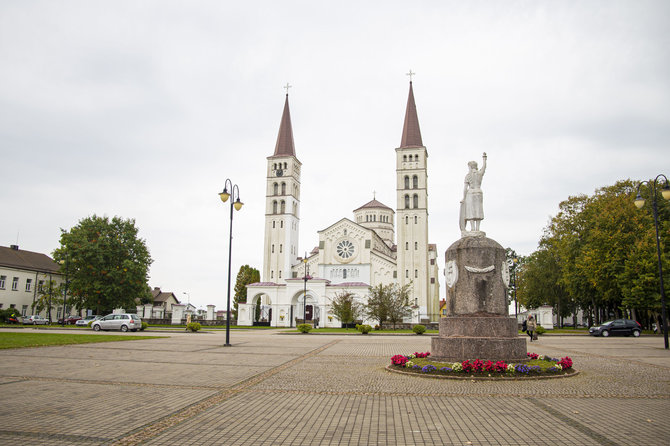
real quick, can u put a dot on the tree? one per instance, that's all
(345, 307)
(108, 264)
(245, 276)
(48, 296)
(398, 304)
(388, 302)
(377, 306)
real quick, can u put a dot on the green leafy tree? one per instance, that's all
(377, 307)
(398, 303)
(108, 264)
(345, 307)
(245, 276)
(48, 296)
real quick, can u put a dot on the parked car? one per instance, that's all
(70, 320)
(617, 327)
(35, 319)
(123, 322)
(84, 322)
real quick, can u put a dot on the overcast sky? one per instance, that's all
(142, 109)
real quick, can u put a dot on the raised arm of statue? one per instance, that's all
(483, 169)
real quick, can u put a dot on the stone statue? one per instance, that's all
(472, 205)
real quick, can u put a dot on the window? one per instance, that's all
(283, 206)
(416, 201)
(416, 219)
(24, 310)
(272, 274)
(275, 189)
(2, 282)
(281, 224)
(432, 261)
(406, 182)
(280, 274)
(273, 249)
(416, 246)
(15, 283)
(395, 274)
(344, 273)
(283, 188)
(273, 225)
(432, 280)
(406, 246)
(274, 207)
(406, 201)
(285, 166)
(415, 182)
(29, 283)
(281, 249)
(406, 274)
(404, 158)
(416, 273)
(406, 219)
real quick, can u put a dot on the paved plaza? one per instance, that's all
(291, 389)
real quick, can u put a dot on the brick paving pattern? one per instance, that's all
(272, 388)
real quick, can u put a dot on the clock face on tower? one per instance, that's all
(280, 172)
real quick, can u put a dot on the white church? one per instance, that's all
(352, 255)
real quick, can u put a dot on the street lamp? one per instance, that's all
(304, 296)
(639, 202)
(515, 261)
(235, 202)
(67, 265)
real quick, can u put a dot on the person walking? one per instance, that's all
(531, 325)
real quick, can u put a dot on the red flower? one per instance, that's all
(400, 360)
(566, 362)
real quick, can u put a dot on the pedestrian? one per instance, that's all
(531, 326)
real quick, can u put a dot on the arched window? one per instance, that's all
(406, 182)
(285, 166)
(281, 249)
(275, 189)
(283, 206)
(273, 249)
(273, 224)
(415, 182)
(416, 201)
(406, 201)
(416, 246)
(416, 273)
(283, 188)
(274, 166)
(404, 158)
(280, 274)
(406, 219)
(281, 224)
(274, 207)
(416, 219)
(406, 246)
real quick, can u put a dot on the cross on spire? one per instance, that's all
(410, 74)
(286, 87)
(374, 194)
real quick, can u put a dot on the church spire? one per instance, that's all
(285, 145)
(411, 134)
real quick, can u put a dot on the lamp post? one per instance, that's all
(515, 261)
(304, 296)
(639, 202)
(235, 202)
(67, 266)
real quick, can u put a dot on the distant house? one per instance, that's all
(443, 307)
(162, 305)
(23, 274)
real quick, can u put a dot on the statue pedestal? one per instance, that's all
(477, 325)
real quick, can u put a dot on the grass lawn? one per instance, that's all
(21, 340)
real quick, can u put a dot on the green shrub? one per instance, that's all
(419, 329)
(89, 324)
(193, 327)
(540, 330)
(144, 326)
(364, 329)
(304, 328)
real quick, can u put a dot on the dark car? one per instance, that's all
(70, 320)
(617, 327)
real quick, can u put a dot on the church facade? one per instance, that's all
(352, 255)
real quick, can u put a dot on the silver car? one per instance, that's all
(35, 320)
(84, 322)
(123, 322)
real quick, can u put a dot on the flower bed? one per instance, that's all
(536, 366)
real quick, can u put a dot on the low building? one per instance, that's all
(23, 276)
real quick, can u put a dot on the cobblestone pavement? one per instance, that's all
(272, 388)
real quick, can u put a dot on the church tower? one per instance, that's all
(282, 205)
(412, 212)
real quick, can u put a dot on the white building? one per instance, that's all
(23, 275)
(352, 254)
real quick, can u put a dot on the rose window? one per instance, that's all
(345, 249)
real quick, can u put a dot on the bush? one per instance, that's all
(192, 327)
(364, 329)
(419, 329)
(145, 325)
(304, 328)
(540, 330)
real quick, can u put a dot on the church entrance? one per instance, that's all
(309, 311)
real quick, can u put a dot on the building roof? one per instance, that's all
(160, 296)
(374, 204)
(411, 134)
(285, 146)
(14, 257)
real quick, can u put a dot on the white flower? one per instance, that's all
(558, 366)
(409, 364)
(456, 367)
(541, 357)
(510, 367)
